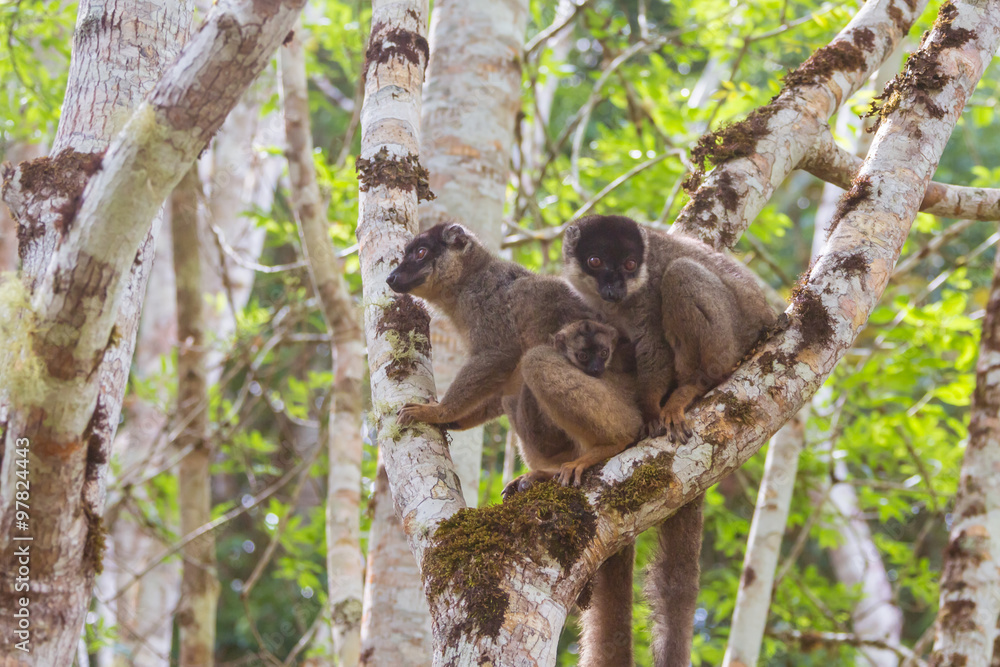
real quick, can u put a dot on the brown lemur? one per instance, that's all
(693, 313)
(503, 310)
(520, 326)
(584, 384)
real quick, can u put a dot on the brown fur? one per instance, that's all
(607, 621)
(497, 307)
(694, 313)
(598, 413)
(572, 413)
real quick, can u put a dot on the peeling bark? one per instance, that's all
(970, 580)
(344, 566)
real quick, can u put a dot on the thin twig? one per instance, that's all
(240, 510)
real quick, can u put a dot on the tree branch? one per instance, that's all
(830, 162)
(757, 154)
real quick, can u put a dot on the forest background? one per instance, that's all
(612, 97)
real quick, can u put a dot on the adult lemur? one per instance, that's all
(505, 311)
(693, 313)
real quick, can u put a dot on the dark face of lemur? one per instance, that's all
(431, 260)
(588, 345)
(605, 256)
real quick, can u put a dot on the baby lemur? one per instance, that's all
(578, 407)
(512, 321)
(583, 383)
(693, 314)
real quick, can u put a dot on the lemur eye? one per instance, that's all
(594, 262)
(630, 264)
(421, 253)
(604, 354)
(581, 357)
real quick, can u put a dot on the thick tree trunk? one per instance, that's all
(470, 103)
(70, 327)
(471, 100)
(774, 500)
(103, 84)
(970, 580)
(199, 584)
(345, 570)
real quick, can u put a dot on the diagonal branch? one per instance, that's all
(755, 155)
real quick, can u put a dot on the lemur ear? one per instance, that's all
(559, 341)
(456, 236)
(570, 237)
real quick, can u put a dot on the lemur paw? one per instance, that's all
(525, 482)
(416, 412)
(676, 426)
(653, 429)
(571, 474)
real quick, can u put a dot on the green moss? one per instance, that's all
(382, 302)
(735, 409)
(474, 552)
(647, 481)
(407, 348)
(93, 549)
(20, 367)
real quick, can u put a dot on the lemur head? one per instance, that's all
(433, 260)
(605, 255)
(587, 344)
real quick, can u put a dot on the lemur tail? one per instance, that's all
(672, 585)
(606, 639)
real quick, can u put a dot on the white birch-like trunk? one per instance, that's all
(392, 589)
(56, 406)
(970, 580)
(345, 569)
(199, 584)
(470, 102)
(774, 500)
